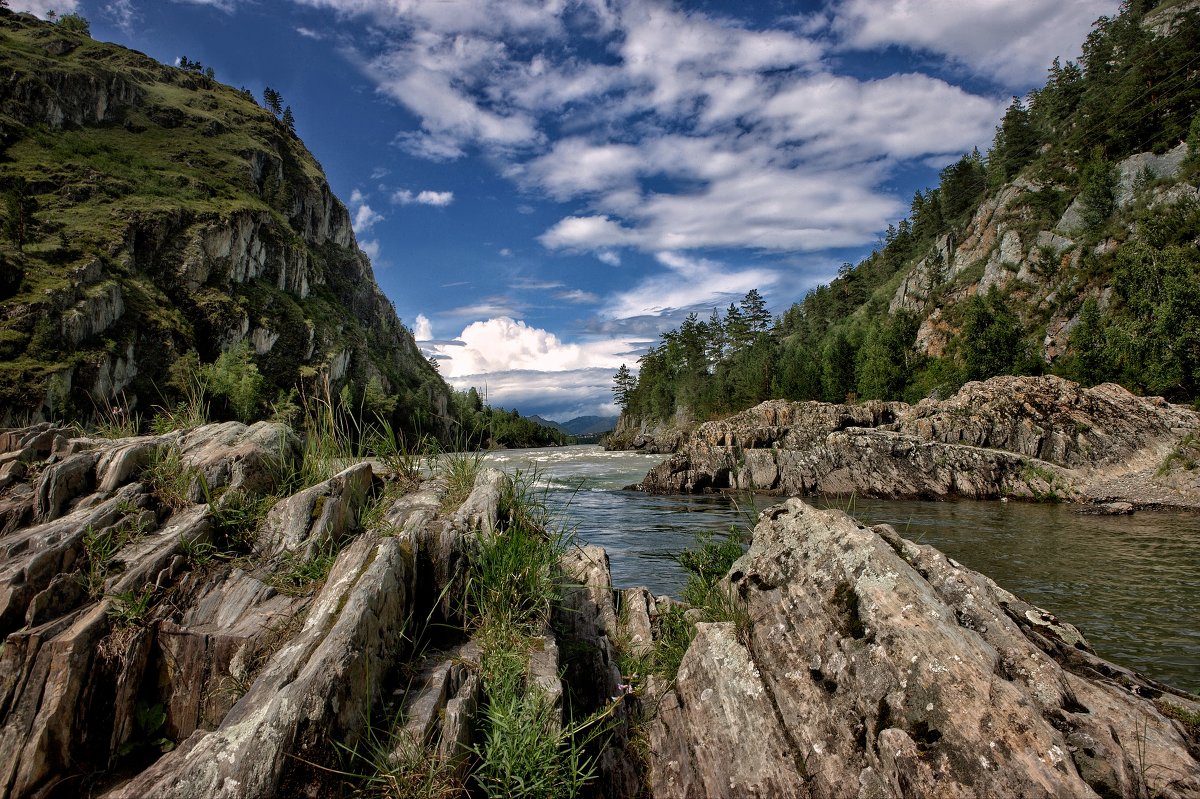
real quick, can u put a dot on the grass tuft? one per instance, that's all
(297, 575)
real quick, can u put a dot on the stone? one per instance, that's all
(876, 667)
(1106, 509)
(1022, 437)
(317, 517)
(717, 733)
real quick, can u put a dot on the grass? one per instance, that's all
(514, 579)
(1185, 454)
(388, 763)
(99, 549)
(673, 634)
(1190, 719)
(170, 478)
(117, 421)
(1031, 474)
(297, 575)
(397, 454)
(130, 608)
(527, 753)
(459, 470)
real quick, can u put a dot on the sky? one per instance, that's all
(544, 186)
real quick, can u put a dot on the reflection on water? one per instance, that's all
(1131, 584)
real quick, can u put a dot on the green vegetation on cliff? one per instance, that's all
(150, 212)
(1062, 250)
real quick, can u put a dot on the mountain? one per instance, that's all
(151, 211)
(1072, 247)
(590, 425)
(580, 425)
(548, 423)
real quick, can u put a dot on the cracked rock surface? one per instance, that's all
(876, 667)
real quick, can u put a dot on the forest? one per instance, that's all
(1133, 90)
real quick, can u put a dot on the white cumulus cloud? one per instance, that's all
(423, 329)
(439, 199)
(504, 344)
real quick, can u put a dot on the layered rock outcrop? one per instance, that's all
(165, 634)
(870, 666)
(158, 644)
(1024, 437)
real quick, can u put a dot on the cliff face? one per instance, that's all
(172, 213)
(1039, 265)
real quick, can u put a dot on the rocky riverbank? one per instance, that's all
(869, 666)
(1023, 437)
(183, 618)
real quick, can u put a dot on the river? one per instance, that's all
(1130, 583)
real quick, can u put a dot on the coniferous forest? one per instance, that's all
(1129, 284)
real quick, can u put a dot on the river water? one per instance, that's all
(1130, 583)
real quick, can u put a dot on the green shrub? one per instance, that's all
(235, 377)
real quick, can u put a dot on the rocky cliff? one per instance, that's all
(169, 213)
(1037, 264)
(1024, 437)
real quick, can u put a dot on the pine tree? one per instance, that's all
(623, 385)
(1015, 144)
(273, 100)
(1098, 192)
(19, 208)
(289, 121)
(754, 311)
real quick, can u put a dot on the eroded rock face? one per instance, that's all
(875, 667)
(130, 619)
(1027, 437)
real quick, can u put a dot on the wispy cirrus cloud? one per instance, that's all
(1012, 42)
(686, 283)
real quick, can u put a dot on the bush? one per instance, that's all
(235, 377)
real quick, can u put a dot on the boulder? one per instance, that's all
(875, 667)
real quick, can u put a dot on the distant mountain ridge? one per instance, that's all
(580, 425)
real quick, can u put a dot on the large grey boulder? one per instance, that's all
(876, 667)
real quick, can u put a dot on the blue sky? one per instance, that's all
(545, 185)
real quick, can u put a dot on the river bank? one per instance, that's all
(1129, 582)
(1041, 438)
(183, 618)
